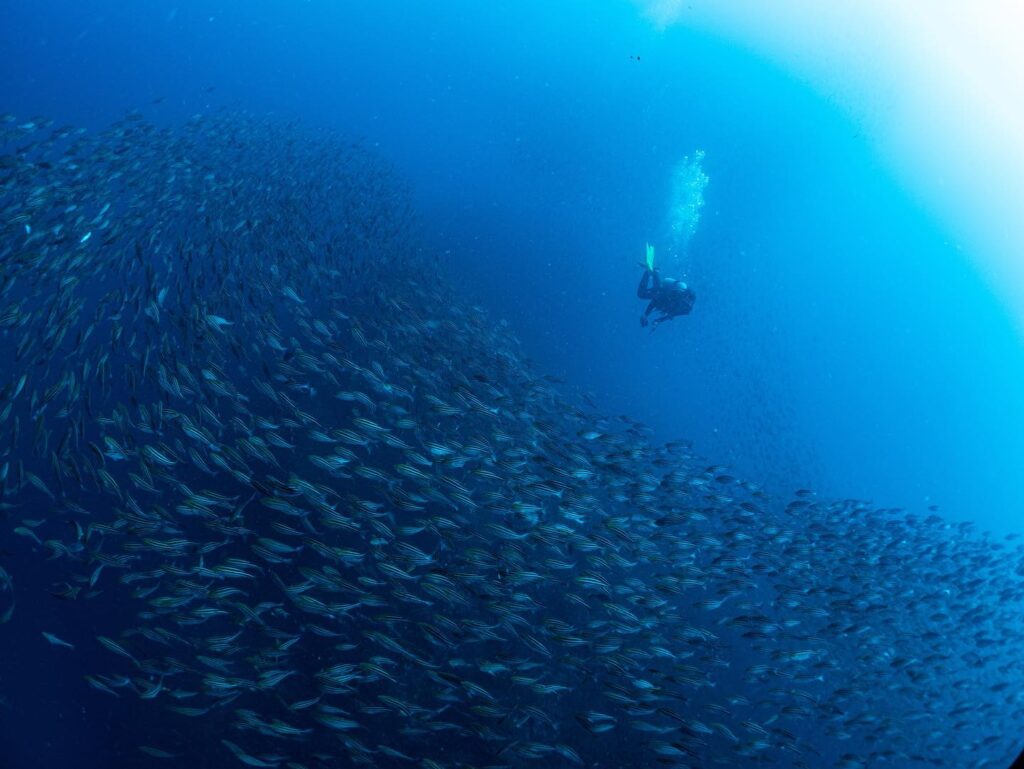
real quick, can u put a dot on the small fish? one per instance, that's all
(157, 752)
(217, 322)
(26, 532)
(115, 647)
(57, 641)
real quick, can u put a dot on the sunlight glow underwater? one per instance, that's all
(937, 87)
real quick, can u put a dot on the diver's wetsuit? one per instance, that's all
(670, 298)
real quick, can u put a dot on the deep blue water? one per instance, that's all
(841, 339)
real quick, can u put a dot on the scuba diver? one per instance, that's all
(669, 297)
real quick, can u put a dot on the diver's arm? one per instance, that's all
(647, 312)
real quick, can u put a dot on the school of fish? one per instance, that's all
(356, 528)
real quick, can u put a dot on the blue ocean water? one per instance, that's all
(841, 340)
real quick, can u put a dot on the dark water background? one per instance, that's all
(840, 340)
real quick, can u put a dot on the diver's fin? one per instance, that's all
(650, 257)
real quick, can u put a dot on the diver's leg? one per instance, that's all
(643, 291)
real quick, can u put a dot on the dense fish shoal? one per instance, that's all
(352, 525)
